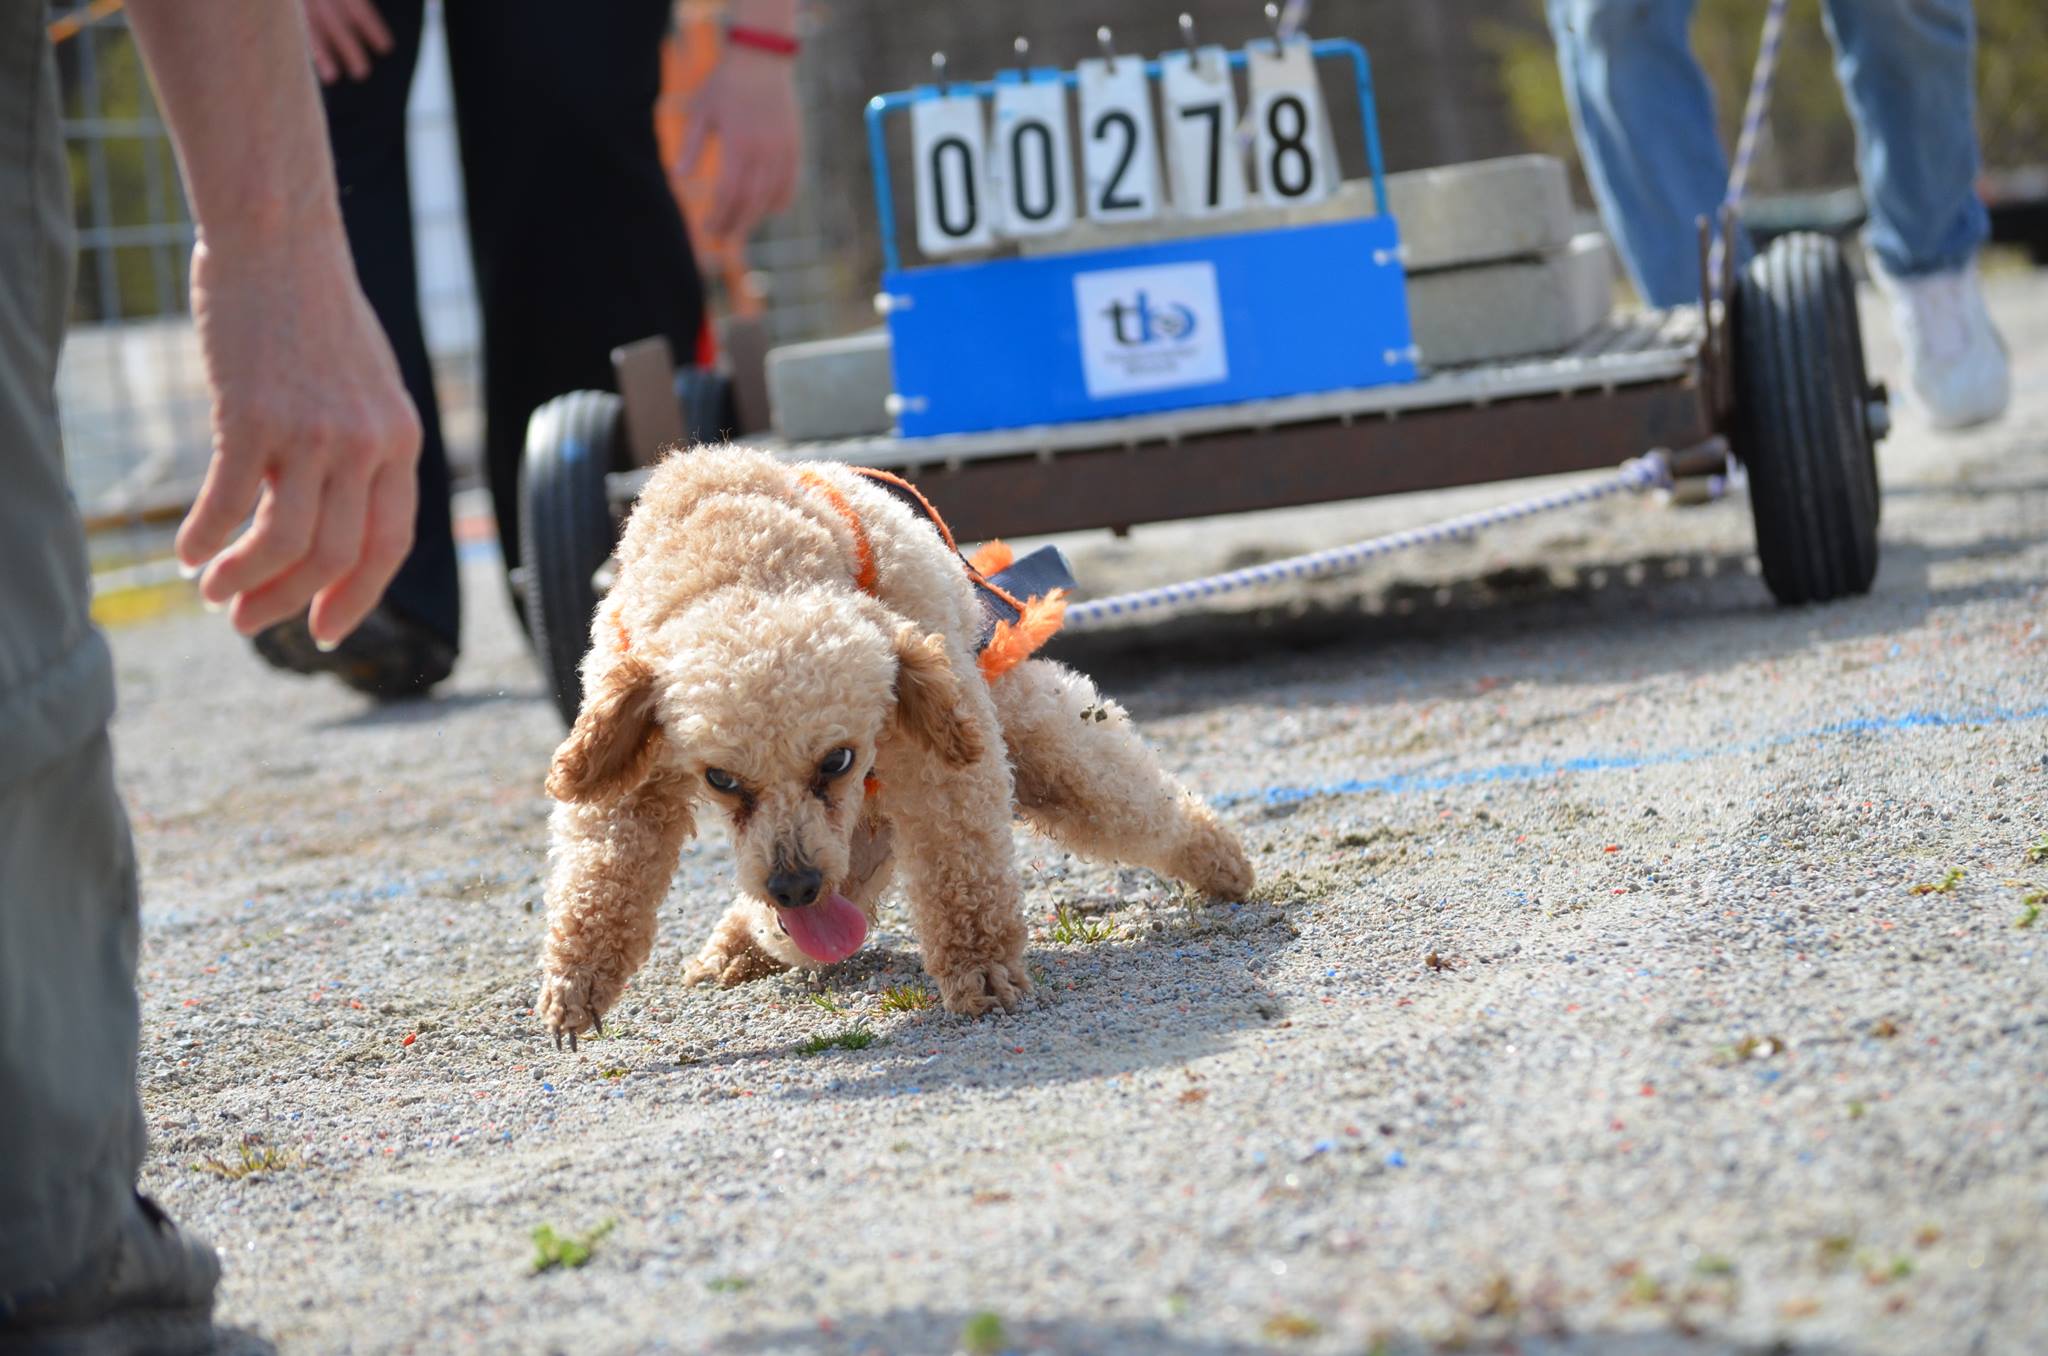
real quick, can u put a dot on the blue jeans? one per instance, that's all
(1645, 124)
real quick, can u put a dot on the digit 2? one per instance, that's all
(1116, 117)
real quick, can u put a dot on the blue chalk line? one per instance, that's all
(1407, 783)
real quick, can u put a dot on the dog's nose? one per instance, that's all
(794, 889)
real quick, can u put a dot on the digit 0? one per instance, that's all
(963, 158)
(1019, 186)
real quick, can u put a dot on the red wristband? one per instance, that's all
(761, 40)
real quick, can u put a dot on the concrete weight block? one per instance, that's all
(831, 388)
(1455, 215)
(1515, 308)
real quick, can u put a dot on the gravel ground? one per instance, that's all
(1589, 1003)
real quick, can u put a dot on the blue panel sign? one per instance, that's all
(1013, 342)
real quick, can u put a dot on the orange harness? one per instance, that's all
(1012, 642)
(1038, 618)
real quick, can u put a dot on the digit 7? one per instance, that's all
(1214, 113)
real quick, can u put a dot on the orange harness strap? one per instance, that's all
(1011, 644)
(864, 575)
(891, 480)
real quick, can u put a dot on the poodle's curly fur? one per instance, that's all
(735, 639)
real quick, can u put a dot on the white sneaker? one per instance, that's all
(1956, 365)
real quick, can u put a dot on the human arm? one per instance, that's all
(748, 103)
(312, 429)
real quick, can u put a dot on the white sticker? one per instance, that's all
(1150, 329)
(1293, 154)
(1119, 149)
(1204, 159)
(947, 144)
(1030, 159)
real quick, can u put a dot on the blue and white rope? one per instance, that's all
(1753, 113)
(1650, 471)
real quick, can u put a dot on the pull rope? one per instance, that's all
(1650, 471)
(1753, 112)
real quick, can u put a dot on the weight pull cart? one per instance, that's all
(1767, 371)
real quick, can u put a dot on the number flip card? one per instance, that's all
(1030, 158)
(1204, 160)
(1294, 155)
(1119, 148)
(948, 143)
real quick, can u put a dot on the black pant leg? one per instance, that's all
(366, 125)
(578, 244)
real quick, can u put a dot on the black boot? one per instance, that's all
(149, 1294)
(389, 656)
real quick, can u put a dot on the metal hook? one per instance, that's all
(1108, 48)
(1289, 25)
(1187, 31)
(1273, 18)
(939, 69)
(1022, 46)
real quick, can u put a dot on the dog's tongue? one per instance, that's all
(829, 931)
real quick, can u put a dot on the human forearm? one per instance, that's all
(309, 498)
(236, 86)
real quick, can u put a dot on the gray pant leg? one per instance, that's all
(70, 1126)
(71, 1133)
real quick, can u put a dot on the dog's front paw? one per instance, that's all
(571, 1003)
(974, 989)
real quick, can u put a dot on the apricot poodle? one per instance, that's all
(795, 647)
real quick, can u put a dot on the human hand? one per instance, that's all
(312, 431)
(346, 35)
(748, 103)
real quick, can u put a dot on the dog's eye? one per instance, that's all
(836, 762)
(721, 780)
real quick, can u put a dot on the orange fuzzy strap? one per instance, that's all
(1038, 619)
(991, 557)
(864, 576)
(1015, 642)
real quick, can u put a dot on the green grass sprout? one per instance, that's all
(907, 998)
(250, 1160)
(551, 1249)
(983, 1335)
(855, 1037)
(1070, 928)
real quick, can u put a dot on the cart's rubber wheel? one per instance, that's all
(566, 520)
(1802, 421)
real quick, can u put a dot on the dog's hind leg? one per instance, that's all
(612, 865)
(1086, 778)
(747, 944)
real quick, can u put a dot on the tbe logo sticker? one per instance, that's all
(1150, 329)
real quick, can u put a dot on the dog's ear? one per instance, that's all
(928, 699)
(612, 746)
